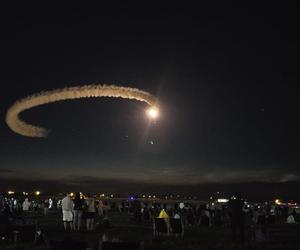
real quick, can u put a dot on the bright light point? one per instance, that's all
(10, 192)
(222, 200)
(278, 202)
(37, 192)
(152, 112)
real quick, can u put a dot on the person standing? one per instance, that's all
(46, 207)
(78, 209)
(67, 206)
(26, 205)
(90, 209)
(2, 203)
(100, 208)
(237, 217)
(137, 213)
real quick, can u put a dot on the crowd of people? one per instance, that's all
(73, 209)
(237, 214)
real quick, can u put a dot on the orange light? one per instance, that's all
(152, 112)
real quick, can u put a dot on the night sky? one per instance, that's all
(227, 80)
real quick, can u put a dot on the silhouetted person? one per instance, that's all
(137, 214)
(5, 217)
(237, 217)
(100, 207)
(91, 210)
(46, 207)
(78, 210)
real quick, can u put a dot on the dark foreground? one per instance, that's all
(123, 229)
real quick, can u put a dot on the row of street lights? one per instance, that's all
(37, 192)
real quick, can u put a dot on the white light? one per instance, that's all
(222, 200)
(152, 112)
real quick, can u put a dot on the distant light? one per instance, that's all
(25, 193)
(81, 195)
(154, 196)
(11, 192)
(131, 198)
(102, 195)
(111, 196)
(144, 196)
(71, 194)
(37, 193)
(149, 196)
(278, 202)
(152, 112)
(222, 200)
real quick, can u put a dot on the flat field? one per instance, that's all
(123, 229)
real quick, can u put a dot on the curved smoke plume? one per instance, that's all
(44, 97)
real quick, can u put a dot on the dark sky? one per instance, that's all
(227, 80)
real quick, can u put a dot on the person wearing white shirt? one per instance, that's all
(67, 206)
(290, 219)
(26, 205)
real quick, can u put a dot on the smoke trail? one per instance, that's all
(44, 97)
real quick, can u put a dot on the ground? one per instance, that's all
(281, 236)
